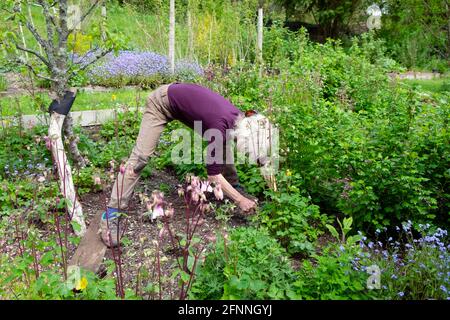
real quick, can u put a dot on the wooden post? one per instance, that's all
(104, 20)
(172, 36)
(30, 16)
(190, 35)
(259, 45)
(21, 32)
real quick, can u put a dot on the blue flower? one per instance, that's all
(401, 293)
(443, 288)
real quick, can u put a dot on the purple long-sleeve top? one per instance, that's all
(191, 102)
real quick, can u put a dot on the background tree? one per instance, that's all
(53, 61)
(333, 17)
(417, 32)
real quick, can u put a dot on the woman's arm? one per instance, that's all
(245, 204)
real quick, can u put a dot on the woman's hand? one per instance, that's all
(247, 205)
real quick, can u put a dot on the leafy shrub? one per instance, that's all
(291, 218)
(250, 265)
(363, 145)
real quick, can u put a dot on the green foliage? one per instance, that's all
(84, 179)
(291, 217)
(417, 33)
(3, 83)
(250, 265)
(362, 144)
(332, 276)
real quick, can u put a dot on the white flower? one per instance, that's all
(218, 193)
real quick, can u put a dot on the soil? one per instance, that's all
(138, 250)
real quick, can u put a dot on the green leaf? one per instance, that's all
(185, 276)
(333, 231)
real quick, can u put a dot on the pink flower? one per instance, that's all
(180, 191)
(158, 211)
(97, 181)
(218, 193)
(157, 197)
(169, 212)
(195, 196)
(195, 181)
(122, 168)
(206, 187)
(48, 142)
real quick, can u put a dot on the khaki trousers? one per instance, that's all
(156, 115)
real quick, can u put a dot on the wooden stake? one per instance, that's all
(172, 36)
(259, 46)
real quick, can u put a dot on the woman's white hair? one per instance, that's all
(255, 137)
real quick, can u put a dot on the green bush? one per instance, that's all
(250, 265)
(363, 145)
(291, 217)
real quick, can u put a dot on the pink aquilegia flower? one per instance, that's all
(206, 187)
(196, 194)
(218, 193)
(195, 181)
(180, 191)
(169, 212)
(158, 211)
(157, 205)
(48, 142)
(97, 181)
(122, 168)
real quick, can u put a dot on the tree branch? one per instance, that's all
(100, 54)
(31, 68)
(37, 36)
(49, 18)
(35, 53)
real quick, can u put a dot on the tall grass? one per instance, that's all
(222, 33)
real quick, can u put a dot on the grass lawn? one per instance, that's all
(439, 85)
(25, 104)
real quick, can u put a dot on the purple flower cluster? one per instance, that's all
(428, 254)
(129, 64)
(186, 67)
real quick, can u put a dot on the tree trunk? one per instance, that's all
(62, 85)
